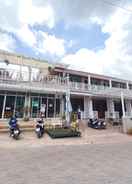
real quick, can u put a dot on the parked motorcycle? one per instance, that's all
(97, 124)
(39, 129)
(14, 128)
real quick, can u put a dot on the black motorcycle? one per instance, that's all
(39, 129)
(97, 124)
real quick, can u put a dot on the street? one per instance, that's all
(73, 164)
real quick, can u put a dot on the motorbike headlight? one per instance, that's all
(99, 123)
(104, 123)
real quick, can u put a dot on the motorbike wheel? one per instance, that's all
(16, 137)
(39, 135)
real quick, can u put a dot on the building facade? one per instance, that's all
(26, 84)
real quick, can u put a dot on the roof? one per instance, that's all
(14, 58)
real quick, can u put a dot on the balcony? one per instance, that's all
(101, 91)
(35, 82)
(14, 80)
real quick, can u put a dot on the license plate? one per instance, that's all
(16, 131)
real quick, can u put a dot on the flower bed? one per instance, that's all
(61, 133)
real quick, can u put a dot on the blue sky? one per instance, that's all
(93, 36)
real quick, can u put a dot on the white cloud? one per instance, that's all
(16, 16)
(116, 58)
(7, 42)
(51, 44)
(26, 35)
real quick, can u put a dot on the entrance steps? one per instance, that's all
(24, 126)
(29, 125)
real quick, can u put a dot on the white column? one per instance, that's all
(123, 105)
(27, 104)
(110, 107)
(110, 83)
(89, 80)
(30, 72)
(128, 107)
(88, 108)
(127, 84)
(62, 106)
(3, 110)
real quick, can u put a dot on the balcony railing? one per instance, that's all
(13, 80)
(99, 90)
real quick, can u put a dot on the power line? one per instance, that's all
(117, 6)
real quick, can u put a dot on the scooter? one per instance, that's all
(39, 129)
(97, 124)
(14, 128)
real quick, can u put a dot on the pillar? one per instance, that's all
(62, 105)
(27, 105)
(127, 85)
(3, 110)
(110, 108)
(88, 107)
(89, 81)
(110, 83)
(123, 105)
(128, 107)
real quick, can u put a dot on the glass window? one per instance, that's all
(19, 106)
(35, 107)
(57, 107)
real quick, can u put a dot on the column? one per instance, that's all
(88, 107)
(4, 103)
(30, 73)
(128, 107)
(62, 105)
(110, 108)
(27, 105)
(89, 81)
(123, 105)
(110, 83)
(127, 84)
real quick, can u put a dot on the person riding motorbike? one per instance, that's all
(13, 124)
(40, 127)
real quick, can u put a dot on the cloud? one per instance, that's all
(7, 42)
(50, 44)
(17, 17)
(116, 57)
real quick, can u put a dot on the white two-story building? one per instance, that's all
(27, 83)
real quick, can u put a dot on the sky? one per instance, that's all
(93, 36)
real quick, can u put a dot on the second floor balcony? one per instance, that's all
(22, 81)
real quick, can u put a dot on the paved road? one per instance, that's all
(73, 164)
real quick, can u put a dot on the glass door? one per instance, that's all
(9, 107)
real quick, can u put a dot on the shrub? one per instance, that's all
(61, 133)
(74, 117)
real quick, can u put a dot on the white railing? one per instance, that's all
(15, 78)
(100, 90)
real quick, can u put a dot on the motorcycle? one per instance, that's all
(39, 129)
(97, 124)
(14, 129)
